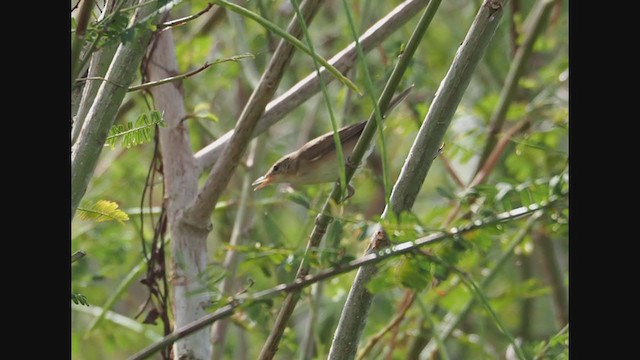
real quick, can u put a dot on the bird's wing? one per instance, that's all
(324, 143)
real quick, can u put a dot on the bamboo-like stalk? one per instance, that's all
(101, 114)
(310, 85)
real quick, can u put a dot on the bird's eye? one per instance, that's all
(276, 167)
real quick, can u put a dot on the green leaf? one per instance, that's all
(137, 133)
(102, 210)
(78, 298)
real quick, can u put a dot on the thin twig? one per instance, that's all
(188, 74)
(75, 6)
(184, 20)
(393, 251)
(100, 78)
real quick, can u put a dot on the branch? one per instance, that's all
(538, 14)
(184, 20)
(198, 213)
(393, 251)
(189, 74)
(309, 86)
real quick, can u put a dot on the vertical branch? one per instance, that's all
(423, 151)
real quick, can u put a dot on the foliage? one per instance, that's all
(532, 167)
(78, 298)
(102, 210)
(135, 133)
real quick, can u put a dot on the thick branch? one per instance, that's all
(198, 213)
(188, 246)
(309, 86)
(429, 139)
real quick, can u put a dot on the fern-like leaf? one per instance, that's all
(135, 133)
(102, 210)
(78, 298)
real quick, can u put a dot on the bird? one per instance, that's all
(316, 161)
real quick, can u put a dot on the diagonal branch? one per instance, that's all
(310, 85)
(199, 211)
(369, 259)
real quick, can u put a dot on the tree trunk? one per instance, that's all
(188, 243)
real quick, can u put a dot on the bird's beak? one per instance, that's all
(261, 182)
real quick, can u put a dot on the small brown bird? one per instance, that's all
(316, 161)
